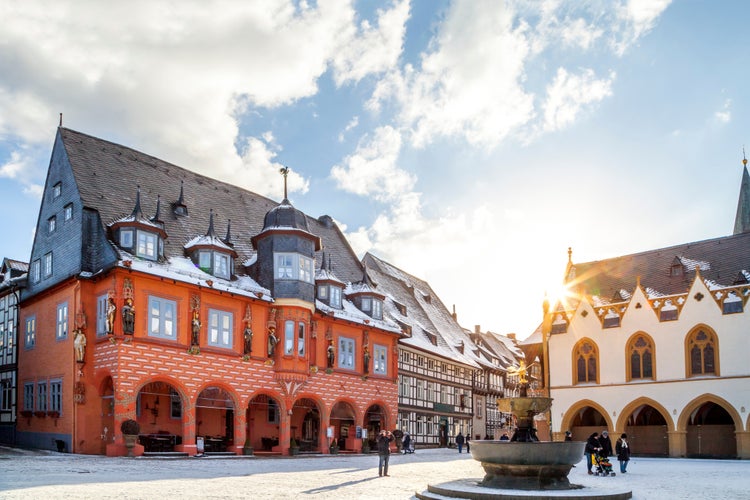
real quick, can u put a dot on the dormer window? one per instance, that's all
(323, 292)
(126, 238)
(293, 266)
(147, 245)
(335, 300)
(217, 263)
(138, 235)
(373, 307)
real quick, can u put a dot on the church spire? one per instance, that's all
(742, 220)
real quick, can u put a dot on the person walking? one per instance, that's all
(592, 446)
(384, 452)
(460, 441)
(623, 452)
(407, 443)
(605, 444)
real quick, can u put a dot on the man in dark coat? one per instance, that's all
(384, 451)
(460, 441)
(605, 444)
(592, 447)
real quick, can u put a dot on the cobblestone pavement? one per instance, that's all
(50, 475)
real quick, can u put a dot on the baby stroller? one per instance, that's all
(603, 465)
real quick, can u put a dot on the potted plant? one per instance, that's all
(293, 447)
(130, 430)
(247, 449)
(334, 448)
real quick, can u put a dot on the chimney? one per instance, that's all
(511, 336)
(477, 329)
(455, 316)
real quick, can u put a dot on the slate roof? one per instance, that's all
(425, 312)
(721, 260)
(107, 176)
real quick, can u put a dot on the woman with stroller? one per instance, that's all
(623, 452)
(592, 447)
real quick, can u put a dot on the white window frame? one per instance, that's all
(36, 271)
(55, 395)
(48, 264)
(346, 353)
(52, 224)
(61, 323)
(293, 266)
(301, 335)
(126, 238)
(28, 396)
(147, 245)
(220, 327)
(30, 334)
(322, 291)
(68, 212)
(380, 359)
(222, 265)
(366, 304)
(288, 337)
(204, 260)
(377, 309)
(162, 318)
(335, 299)
(56, 190)
(101, 315)
(6, 385)
(41, 395)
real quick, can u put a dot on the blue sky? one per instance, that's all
(467, 142)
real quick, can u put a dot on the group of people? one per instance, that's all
(601, 445)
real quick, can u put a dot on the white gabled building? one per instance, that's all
(655, 344)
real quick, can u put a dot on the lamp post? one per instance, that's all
(546, 329)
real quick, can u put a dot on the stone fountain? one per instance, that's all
(523, 467)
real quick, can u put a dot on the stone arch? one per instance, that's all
(263, 418)
(343, 419)
(216, 411)
(650, 438)
(633, 405)
(718, 435)
(306, 422)
(570, 416)
(161, 428)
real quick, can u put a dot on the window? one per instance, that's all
(300, 339)
(36, 271)
(323, 291)
(7, 394)
(41, 396)
(48, 265)
(377, 309)
(68, 211)
(126, 238)
(28, 396)
(366, 304)
(55, 395)
(293, 266)
(101, 315)
(204, 260)
(221, 265)
(346, 353)
(219, 328)
(273, 411)
(146, 245)
(162, 317)
(61, 330)
(56, 190)
(288, 338)
(732, 304)
(51, 224)
(335, 297)
(641, 363)
(585, 356)
(702, 350)
(30, 332)
(175, 404)
(380, 358)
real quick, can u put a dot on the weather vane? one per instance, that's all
(284, 171)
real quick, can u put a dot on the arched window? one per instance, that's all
(585, 361)
(640, 354)
(702, 352)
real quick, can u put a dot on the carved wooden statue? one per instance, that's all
(111, 311)
(331, 354)
(128, 317)
(272, 341)
(79, 344)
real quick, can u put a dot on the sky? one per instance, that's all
(467, 142)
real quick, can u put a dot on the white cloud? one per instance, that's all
(569, 93)
(372, 169)
(373, 49)
(260, 173)
(349, 126)
(724, 115)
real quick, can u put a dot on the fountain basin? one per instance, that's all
(527, 465)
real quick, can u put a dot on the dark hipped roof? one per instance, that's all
(721, 260)
(107, 175)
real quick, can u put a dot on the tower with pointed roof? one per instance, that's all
(742, 219)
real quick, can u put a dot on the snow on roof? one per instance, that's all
(351, 313)
(207, 241)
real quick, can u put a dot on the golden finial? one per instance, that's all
(744, 158)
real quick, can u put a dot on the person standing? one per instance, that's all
(623, 452)
(592, 446)
(568, 436)
(384, 452)
(605, 444)
(460, 441)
